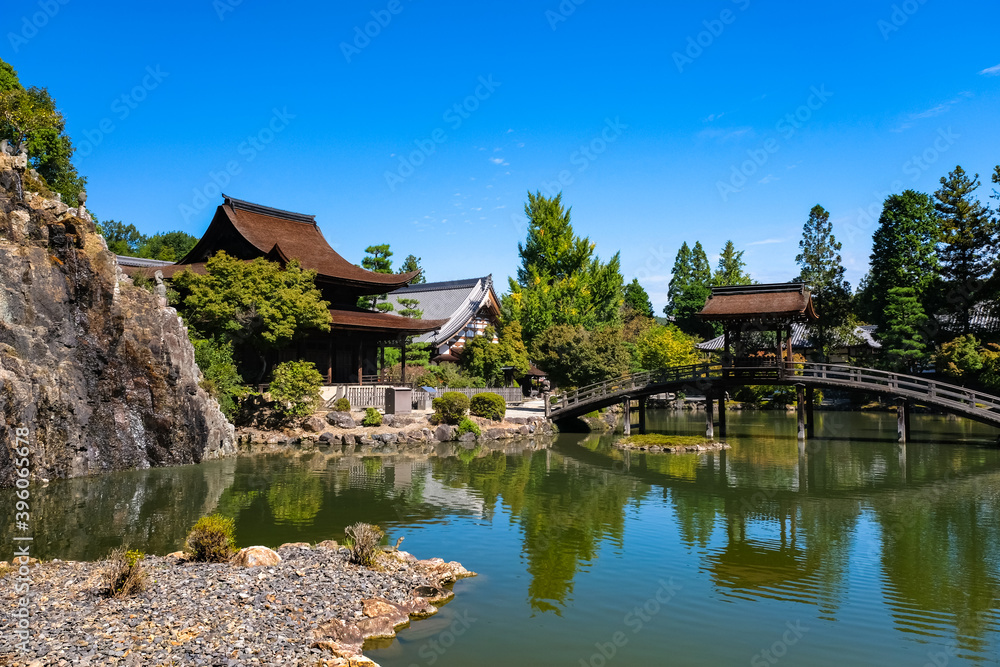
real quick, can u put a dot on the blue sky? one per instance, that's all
(660, 122)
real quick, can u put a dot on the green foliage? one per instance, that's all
(364, 539)
(372, 417)
(968, 242)
(377, 261)
(123, 573)
(732, 268)
(903, 340)
(211, 539)
(488, 405)
(30, 115)
(122, 239)
(560, 281)
(960, 358)
(823, 272)
(126, 240)
(410, 308)
(255, 305)
(342, 405)
(482, 358)
(222, 380)
(295, 387)
(689, 289)
(466, 425)
(412, 263)
(574, 357)
(662, 347)
(637, 300)
(450, 407)
(903, 254)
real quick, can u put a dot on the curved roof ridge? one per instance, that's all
(267, 210)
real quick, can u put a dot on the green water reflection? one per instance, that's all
(890, 552)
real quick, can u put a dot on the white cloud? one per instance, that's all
(770, 178)
(991, 71)
(726, 134)
(500, 161)
(766, 242)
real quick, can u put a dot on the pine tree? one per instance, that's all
(379, 262)
(904, 253)
(410, 264)
(822, 271)
(731, 268)
(689, 289)
(637, 300)
(903, 341)
(680, 276)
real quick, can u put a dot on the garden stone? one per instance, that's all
(341, 419)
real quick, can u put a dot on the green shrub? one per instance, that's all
(221, 379)
(372, 417)
(295, 388)
(468, 426)
(342, 405)
(124, 573)
(364, 539)
(211, 539)
(450, 407)
(488, 405)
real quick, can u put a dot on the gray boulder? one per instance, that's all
(340, 419)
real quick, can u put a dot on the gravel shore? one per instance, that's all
(312, 608)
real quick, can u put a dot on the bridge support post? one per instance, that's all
(810, 421)
(722, 414)
(902, 420)
(642, 416)
(800, 409)
(628, 416)
(709, 420)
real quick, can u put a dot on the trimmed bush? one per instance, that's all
(468, 426)
(295, 388)
(488, 405)
(342, 405)
(364, 539)
(124, 573)
(211, 539)
(450, 407)
(372, 417)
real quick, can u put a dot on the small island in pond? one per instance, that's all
(658, 442)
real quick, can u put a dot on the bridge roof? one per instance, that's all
(781, 302)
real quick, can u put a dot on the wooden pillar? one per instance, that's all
(709, 422)
(628, 416)
(381, 361)
(722, 414)
(642, 416)
(902, 420)
(778, 357)
(329, 359)
(361, 362)
(402, 362)
(800, 409)
(727, 357)
(788, 348)
(810, 421)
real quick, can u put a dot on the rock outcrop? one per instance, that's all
(101, 375)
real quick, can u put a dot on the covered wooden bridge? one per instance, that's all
(753, 313)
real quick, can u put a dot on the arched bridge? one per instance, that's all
(714, 379)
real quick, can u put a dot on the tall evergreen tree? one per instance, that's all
(701, 270)
(968, 248)
(637, 299)
(732, 268)
(412, 263)
(822, 271)
(689, 289)
(904, 253)
(903, 341)
(379, 262)
(680, 276)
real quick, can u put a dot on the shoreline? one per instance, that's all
(313, 607)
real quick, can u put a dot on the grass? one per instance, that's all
(663, 440)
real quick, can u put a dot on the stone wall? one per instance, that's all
(102, 375)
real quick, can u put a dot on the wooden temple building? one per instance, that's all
(349, 352)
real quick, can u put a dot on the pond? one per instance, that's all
(850, 550)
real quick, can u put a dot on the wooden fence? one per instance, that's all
(373, 395)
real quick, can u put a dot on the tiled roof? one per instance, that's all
(782, 301)
(765, 340)
(369, 320)
(141, 262)
(457, 302)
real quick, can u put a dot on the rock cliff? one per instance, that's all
(99, 372)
